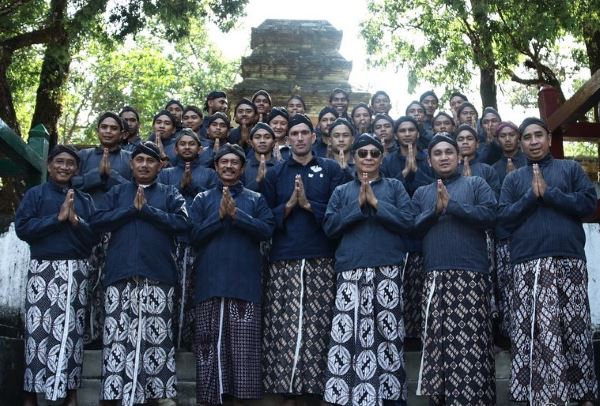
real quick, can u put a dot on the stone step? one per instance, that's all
(89, 393)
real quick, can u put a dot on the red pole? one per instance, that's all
(549, 102)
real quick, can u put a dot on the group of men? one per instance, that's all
(296, 259)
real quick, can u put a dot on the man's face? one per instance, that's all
(262, 141)
(218, 129)
(192, 120)
(187, 148)
(62, 168)
(218, 104)
(245, 115)
(109, 133)
(325, 122)
(262, 103)
(341, 139)
(468, 115)
(536, 142)
(368, 160)
(455, 103)
(163, 127)
(229, 168)
(295, 106)
(176, 110)
(431, 105)
(301, 139)
(508, 138)
(132, 122)
(490, 123)
(361, 118)
(280, 127)
(144, 168)
(407, 134)
(443, 124)
(381, 104)
(384, 131)
(339, 101)
(443, 158)
(467, 143)
(416, 112)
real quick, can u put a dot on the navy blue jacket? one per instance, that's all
(36, 222)
(320, 149)
(129, 145)
(455, 239)
(489, 152)
(169, 147)
(89, 179)
(229, 262)
(369, 237)
(486, 172)
(300, 234)
(251, 170)
(141, 241)
(202, 179)
(549, 226)
(518, 161)
(393, 165)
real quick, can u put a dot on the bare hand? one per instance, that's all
(342, 160)
(301, 194)
(140, 199)
(161, 148)
(244, 133)
(186, 179)
(217, 144)
(370, 196)
(538, 182)
(73, 217)
(65, 208)
(442, 197)
(466, 167)
(277, 153)
(262, 169)
(104, 164)
(231, 206)
(509, 165)
(411, 162)
(362, 193)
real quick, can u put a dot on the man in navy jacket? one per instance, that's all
(229, 223)
(542, 205)
(190, 177)
(452, 214)
(143, 217)
(53, 219)
(300, 283)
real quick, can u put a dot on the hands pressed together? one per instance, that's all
(442, 198)
(411, 162)
(366, 195)
(538, 184)
(227, 206)
(298, 197)
(67, 209)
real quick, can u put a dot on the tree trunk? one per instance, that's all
(7, 107)
(487, 88)
(592, 47)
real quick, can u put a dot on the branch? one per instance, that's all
(9, 8)
(40, 36)
(527, 82)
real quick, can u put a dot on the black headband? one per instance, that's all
(532, 120)
(189, 132)
(277, 111)
(230, 149)
(466, 127)
(110, 114)
(147, 147)
(60, 148)
(441, 137)
(164, 113)
(261, 126)
(366, 139)
(246, 102)
(463, 106)
(220, 115)
(428, 93)
(173, 101)
(300, 119)
(342, 121)
(405, 119)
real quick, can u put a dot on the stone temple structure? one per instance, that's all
(296, 57)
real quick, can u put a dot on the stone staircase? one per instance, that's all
(88, 395)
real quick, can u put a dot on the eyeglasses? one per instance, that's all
(363, 153)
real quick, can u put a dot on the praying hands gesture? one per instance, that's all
(298, 197)
(67, 209)
(365, 194)
(538, 184)
(262, 169)
(442, 198)
(161, 148)
(140, 199)
(466, 167)
(227, 206)
(411, 162)
(217, 144)
(510, 166)
(342, 160)
(244, 134)
(104, 167)
(186, 179)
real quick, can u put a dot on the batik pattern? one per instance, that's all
(504, 286)
(457, 362)
(184, 319)
(95, 311)
(228, 350)
(414, 274)
(138, 350)
(55, 302)
(298, 306)
(365, 361)
(559, 365)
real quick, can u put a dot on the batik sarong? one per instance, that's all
(184, 306)
(414, 274)
(228, 350)
(552, 353)
(365, 361)
(457, 363)
(55, 302)
(504, 286)
(138, 350)
(298, 306)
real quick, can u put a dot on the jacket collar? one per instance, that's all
(545, 161)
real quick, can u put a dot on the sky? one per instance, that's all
(346, 16)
